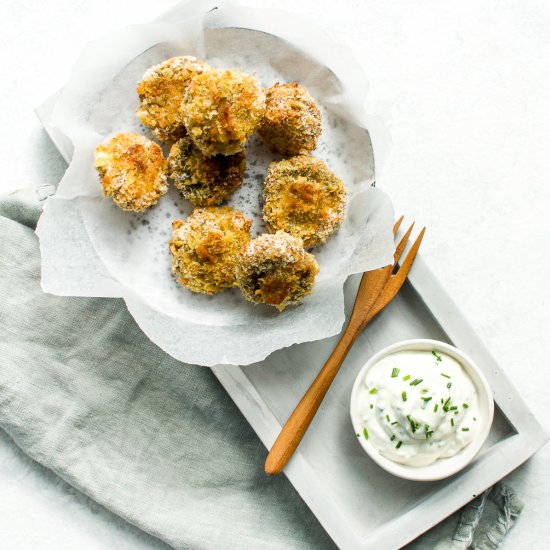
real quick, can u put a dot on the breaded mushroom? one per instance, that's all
(132, 171)
(161, 92)
(292, 122)
(222, 109)
(204, 181)
(304, 198)
(276, 270)
(206, 246)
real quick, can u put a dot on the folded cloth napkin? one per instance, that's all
(85, 393)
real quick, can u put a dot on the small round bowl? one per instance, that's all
(442, 467)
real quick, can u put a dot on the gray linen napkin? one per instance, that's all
(85, 393)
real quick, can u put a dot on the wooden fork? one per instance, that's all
(376, 290)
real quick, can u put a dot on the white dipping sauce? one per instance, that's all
(418, 406)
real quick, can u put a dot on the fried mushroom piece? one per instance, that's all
(206, 246)
(222, 109)
(132, 171)
(204, 181)
(276, 270)
(161, 92)
(304, 198)
(292, 121)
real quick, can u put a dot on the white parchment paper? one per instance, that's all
(91, 248)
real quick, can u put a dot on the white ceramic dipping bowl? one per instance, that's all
(442, 467)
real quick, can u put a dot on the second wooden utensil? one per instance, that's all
(376, 290)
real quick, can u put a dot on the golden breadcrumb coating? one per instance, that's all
(204, 181)
(132, 171)
(304, 198)
(222, 109)
(206, 246)
(292, 121)
(161, 92)
(276, 270)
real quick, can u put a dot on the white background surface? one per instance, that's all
(464, 88)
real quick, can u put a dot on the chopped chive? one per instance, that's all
(392, 437)
(454, 408)
(449, 385)
(452, 422)
(394, 423)
(399, 444)
(426, 399)
(429, 434)
(371, 406)
(475, 418)
(425, 390)
(374, 390)
(442, 400)
(405, 378)
(404, 396)
(465, 405)
(445, 375)
(388, 418)
(358, 435)
(437, 357)
(465, 429)
(426, 427)
(366, 433)
(416, 381)
(394, 373)
(446, 404)
(414, 425)
(436, 407)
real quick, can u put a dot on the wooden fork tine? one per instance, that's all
(397, 225)
(399, 278)
(402, 244)
(396, 281)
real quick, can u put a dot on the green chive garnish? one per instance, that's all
(445, 375)
(399, 444)
(404, 396)
(392, 437)
(425, 390)
(465, 405)
(414, 425)
(394, 423)
(405, 378)
(426, 399)
(416, 381)
(374, 390)
(449, 385)
(475, 418)
(394, 373)
(453, 408)
(366, 433)
(437, 357)
(371, 406)
(388, 418)
(436, 407)
(452, 422)
(465, 429)
(358, 435)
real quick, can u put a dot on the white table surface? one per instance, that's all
(464, 88)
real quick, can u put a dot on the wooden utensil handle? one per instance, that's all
(290, 436)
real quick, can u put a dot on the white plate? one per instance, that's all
(127, 254)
